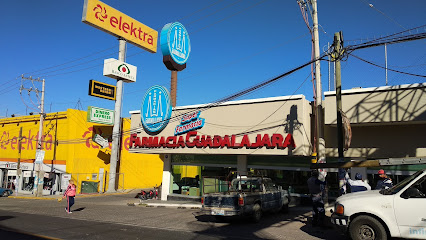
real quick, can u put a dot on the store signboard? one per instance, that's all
(189, 122)
(174, 41)
(156, 109)
(12, 172)
(39, 156)
(102, 90)
(100, 115)
(117, 69)
(116, 23)
(65, 180)
(101, 141)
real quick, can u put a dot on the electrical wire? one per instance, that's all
(374, 64)
(373, 7)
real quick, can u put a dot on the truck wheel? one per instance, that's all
(367, 228)
(257, 213)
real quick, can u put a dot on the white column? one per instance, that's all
(167, 176)
(242, 164)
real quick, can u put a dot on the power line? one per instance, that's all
(411, 74)
(388, 17)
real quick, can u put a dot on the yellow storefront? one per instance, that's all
(74, 156)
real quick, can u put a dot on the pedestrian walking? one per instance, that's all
(316, 187)
(358, 184)
(70, 195)
(384, 181)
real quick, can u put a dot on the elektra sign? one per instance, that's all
(112, 21)
(156, 109)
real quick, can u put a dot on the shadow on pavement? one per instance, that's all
(2, 218)
(9, 233)
(79, 209)
(274, 226)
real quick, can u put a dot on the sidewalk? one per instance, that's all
(55, 197)
(172, 204)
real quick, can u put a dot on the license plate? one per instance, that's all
(218, 212)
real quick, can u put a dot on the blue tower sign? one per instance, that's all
(156, 109)
(174, 40)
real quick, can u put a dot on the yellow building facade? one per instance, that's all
(70, 153)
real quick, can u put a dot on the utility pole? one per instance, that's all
(319, 116)
(336, 55)
(320, 142)
(116, 130)
(38, 164)
(19, 171)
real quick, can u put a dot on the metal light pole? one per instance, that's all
(116, 130)
(173, 87)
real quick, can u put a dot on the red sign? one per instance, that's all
(192, 139)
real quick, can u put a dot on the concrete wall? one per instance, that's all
(385, 121)
(281, 115)
(404, 103)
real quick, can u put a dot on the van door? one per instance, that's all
(410, 210)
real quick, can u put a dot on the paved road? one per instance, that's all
(109, 217)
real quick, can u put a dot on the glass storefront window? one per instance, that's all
(187, 180)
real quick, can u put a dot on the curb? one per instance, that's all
(167, 205)
(38, 198)
(58, 196)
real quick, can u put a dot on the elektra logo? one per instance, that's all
(102, 11)
(156, 109)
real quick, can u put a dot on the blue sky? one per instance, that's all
(235, 45)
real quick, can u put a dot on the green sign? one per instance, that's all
(100, 115)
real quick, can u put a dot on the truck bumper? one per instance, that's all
(220, 212)
(342, 222)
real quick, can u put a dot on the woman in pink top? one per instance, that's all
(70, 194)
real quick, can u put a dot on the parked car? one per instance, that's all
(4, 192)
(246, 196)
(399, 211)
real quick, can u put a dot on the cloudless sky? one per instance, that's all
(235, 45)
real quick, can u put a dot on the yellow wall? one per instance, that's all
(82, 156)
(9, 135)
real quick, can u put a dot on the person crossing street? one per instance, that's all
(70, 195)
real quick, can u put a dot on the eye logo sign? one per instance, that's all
(102, 11)
(124, 69)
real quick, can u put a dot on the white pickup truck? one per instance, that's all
(399, 211)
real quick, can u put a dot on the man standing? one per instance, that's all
(384, 181)
(358, 184)
(316, 188)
